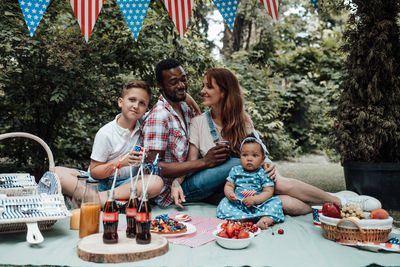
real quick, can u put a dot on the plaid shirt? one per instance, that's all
(165, 130)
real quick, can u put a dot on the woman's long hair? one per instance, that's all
(234, 118)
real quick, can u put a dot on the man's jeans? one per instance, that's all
(203, 184)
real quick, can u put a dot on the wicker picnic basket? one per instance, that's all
(44, 206)
(350, 230)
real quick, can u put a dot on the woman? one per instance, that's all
(226, 120)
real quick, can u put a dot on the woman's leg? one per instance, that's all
(294, 206)
(203, 184)
(304, 192)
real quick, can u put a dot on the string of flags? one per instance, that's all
(134, 12)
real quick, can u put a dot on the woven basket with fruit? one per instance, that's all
(350, 224)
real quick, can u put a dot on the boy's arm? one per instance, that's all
(229, 191)
(102, 170)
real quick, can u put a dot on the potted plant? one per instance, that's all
(367, 129)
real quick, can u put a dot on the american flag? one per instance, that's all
(248, 193)
(86, 13)
(272, 7)
(33, 11)
(180, 11)
(140, 150)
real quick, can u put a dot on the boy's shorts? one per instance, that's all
(105, 184)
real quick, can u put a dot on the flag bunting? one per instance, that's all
(179, 11)
(33, 11)
(272, 7)
(228, 9)
(86, 13)
(134, 12)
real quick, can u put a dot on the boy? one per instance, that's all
(112, 148)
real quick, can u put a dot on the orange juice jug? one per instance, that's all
(90, 210)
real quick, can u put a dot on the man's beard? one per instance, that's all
(173, 97)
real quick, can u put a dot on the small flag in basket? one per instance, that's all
(314, 2)
(248, 193)
(33, 11)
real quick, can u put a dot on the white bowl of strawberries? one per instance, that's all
(233, 236)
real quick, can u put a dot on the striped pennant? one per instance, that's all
(86, 13)
(272, 7)
(179, 11)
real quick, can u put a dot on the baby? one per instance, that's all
(248, 190)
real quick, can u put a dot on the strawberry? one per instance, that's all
(230, 230)
(236, 226)
(223, 225)
(243, 234)
(281, 231)
(223, 234)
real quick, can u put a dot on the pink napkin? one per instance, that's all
(203, 234)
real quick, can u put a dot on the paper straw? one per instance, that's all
(113, 185)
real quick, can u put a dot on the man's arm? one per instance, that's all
(215, 156)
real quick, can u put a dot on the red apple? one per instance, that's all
(331, 210)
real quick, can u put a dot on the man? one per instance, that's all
(166, 132)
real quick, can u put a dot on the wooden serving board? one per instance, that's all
(92, 248)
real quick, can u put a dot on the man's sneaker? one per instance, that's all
(346, 194)
(367, 203)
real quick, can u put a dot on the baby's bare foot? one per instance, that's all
(264, 222)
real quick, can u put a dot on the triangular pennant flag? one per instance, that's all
(33, 11)
(314, 2)
(180, 11)
(86, 13)
(272, 7)
(228, 9)
(134, 12)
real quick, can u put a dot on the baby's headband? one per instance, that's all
(253, 139)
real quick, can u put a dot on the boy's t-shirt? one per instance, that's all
(113, 141)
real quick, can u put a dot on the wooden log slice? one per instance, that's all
(92, 248)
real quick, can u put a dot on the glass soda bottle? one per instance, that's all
(143, 220)
(130, 211)
(110, 220)
(76, 202)
(90, 210)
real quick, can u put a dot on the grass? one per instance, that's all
(318, 171)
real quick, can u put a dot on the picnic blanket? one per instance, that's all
(302, 244)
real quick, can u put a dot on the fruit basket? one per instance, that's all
(38, 210)
(351, 230)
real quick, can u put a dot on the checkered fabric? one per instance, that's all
(164, 130)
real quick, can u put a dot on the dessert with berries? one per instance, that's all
(162, 224)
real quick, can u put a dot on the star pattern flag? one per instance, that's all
(180, 11)
(134, 12)
(272, 7)
(33, 11)
(314, 3)
(228, 9)
(86, 13)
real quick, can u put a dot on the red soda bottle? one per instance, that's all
(110, 222)
(130, 211)
(143, 220)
